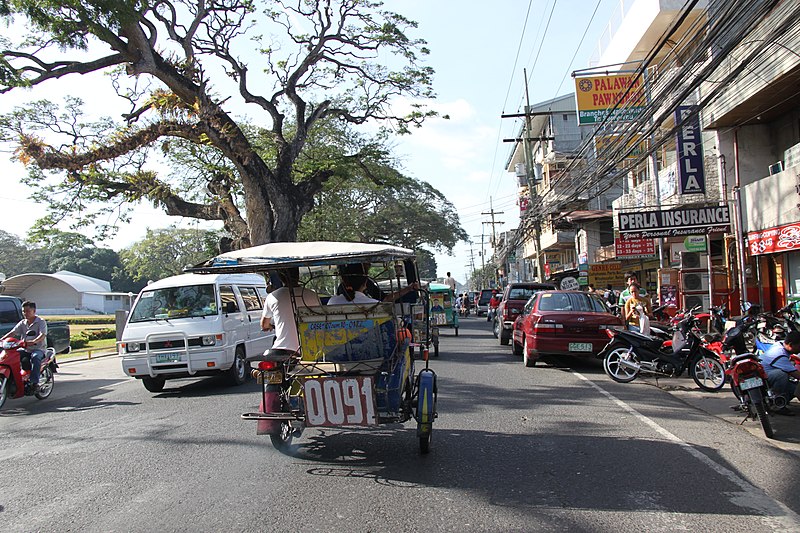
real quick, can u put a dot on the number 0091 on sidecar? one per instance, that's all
(354, 367)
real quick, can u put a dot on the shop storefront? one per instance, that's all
(777, 257)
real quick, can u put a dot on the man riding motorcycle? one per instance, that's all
(35, 345)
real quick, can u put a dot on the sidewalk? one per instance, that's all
(718, 404)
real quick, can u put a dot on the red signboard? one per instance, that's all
(634, 247)
(773, 240)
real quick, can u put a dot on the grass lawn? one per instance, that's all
(98, 347)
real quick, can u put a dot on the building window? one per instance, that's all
(108, 298)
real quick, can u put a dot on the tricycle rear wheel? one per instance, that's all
(283, 439)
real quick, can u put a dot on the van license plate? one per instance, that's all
(751, 383)
(168, 357)
(580, 347)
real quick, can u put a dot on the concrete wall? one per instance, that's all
(771, 201)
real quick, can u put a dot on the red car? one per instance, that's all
(562, 323)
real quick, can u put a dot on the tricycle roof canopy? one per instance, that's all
(278, 255)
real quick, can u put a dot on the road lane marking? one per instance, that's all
(781, 517)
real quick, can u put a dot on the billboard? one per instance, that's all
(621, 96)
(674, 222)
(690, 151)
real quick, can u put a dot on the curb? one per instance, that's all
(85, 358)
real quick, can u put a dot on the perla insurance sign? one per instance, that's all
(686, 221)
(690, 151)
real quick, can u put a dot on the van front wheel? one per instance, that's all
(155, 384)
(238, 371)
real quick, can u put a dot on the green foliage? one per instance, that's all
(82, 339)
(85, 320)
(378, 204)
(426, 264)
(482, 277)
(175, 65)
(166, 252)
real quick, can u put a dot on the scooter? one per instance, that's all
(628, 353)
(15, 367)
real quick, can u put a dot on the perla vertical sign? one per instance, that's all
(690, 151)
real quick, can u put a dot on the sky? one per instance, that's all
(478, 51)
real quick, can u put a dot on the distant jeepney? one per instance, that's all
(195, 325)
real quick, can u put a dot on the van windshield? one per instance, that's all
(175, 302)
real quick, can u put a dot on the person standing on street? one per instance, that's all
(630, 278)
(636, 311)
(450, 281)
(36, 345)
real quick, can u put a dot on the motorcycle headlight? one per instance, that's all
(8, 345)
(209, 340)
(133, 347)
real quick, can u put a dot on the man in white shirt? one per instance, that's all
(278, 312)
(450, 281)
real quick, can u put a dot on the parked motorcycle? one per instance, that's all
(15, 367)
(749, 384)
(629, 353)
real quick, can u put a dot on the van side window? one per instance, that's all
(250, 298)
(226, 295)
(262, 294)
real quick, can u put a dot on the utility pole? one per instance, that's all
(492, 213)
(482, 253)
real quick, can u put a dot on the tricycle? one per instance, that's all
(354, 366)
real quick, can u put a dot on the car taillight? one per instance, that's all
(547, 326)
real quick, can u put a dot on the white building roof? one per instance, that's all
(18, 284)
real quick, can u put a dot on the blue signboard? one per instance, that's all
(690, 151)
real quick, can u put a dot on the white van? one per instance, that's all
(195, 325)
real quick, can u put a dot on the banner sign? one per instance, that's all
(774, 240)
(596, 96)
(629, 248)
(608, 273)
(606, 143)
(690, 152)
(683, 221)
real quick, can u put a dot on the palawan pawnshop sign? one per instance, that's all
(686, 221)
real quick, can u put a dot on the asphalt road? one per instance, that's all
(557, 447)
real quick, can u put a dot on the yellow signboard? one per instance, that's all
(609, 273)
(597, 96)
(604, 144)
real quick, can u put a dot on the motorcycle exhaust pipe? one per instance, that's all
(630, 364)
(779, 402)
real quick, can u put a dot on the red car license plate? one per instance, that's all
(340, 401)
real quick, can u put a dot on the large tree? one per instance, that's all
(166, 252)
(383, 206)
(346, 60)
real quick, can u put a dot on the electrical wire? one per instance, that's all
(722, 34)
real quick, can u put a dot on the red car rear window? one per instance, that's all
(559, 301)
